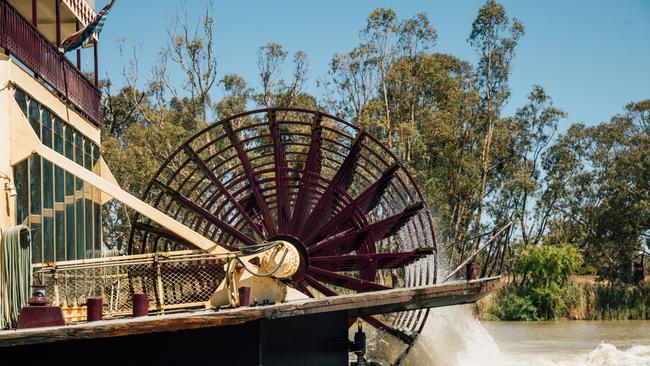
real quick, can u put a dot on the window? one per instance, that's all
(62, 211)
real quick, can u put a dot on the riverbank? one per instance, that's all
(582, 299)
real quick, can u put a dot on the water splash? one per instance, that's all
(604, 355)
(453, 336)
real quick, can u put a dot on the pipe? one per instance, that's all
(477, 251)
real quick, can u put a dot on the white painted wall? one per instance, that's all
(7, 206)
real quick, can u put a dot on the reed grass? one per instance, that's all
(582, 301)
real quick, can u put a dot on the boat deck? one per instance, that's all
(378, 302)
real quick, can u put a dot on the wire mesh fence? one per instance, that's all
(172, 280)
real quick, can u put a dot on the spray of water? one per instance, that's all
(453, 336)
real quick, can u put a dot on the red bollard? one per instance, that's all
(39, 313)
(140, 304)
(94, 308)
(244, 296)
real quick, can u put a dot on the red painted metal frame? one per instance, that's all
(339, 192)
(268, 221)
(313, 165)
(20, 38)
(217, 182)
(356, 262)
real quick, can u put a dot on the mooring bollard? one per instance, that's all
(140, 305)
(244, 296)
(94, 309)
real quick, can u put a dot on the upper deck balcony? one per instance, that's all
(30, 31)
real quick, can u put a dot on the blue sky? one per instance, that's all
(592, 57)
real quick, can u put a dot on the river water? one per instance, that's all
(453, 337)
(573, 343)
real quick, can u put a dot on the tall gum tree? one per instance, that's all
(495, 38)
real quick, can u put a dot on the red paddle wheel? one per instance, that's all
(308, 178)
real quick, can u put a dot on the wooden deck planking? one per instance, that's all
(378, 302)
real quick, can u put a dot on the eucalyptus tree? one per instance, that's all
(495, 38)
(601, 180)
(519, 185)
(276, 91)
(192, 49)
(361, 77)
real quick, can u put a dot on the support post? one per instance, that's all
(76, 23)
(57, 7)
(34, 14)
(160, 292)
(96, 71)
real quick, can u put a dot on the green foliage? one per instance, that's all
(541, 277)
(441, 115)
(547, 300)
(573, 302)
(495, 37)
(599, 188)
(618, 301)
(578, 301)
(510, 306)
(545, 266)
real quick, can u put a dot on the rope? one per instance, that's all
(258, 274)
(233, 296)
(254, 249)
(16, 276)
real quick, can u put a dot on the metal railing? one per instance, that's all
(22, 40)
(173, 280)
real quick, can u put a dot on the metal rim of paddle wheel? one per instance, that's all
(309, 178)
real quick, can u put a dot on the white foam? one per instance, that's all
(604, 355)
(454, 337)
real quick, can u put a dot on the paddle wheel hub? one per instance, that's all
(299, 274)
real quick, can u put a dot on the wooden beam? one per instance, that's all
(355, 305)
(25, 142)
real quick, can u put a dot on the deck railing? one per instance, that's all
(173, 280)
(22, 40)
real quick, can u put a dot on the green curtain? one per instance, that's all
(16, 273)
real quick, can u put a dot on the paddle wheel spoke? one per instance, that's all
(358, 262)
(281, 179)
(311, 168)
(319, 286)
(351, 239)
(364, 202)
(254, 185)
(214, 220)
(302, 287)
(342, 180)
(222, 189)
(344, 281)
(161, 232)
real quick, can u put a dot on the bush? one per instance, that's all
(541, 277)
(510, 306)
(544, 265)
(618, 301)
(576, 301)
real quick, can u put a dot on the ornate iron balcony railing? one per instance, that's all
(23, 41)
